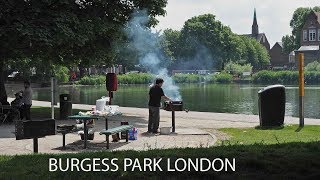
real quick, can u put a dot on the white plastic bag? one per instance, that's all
(101, 103)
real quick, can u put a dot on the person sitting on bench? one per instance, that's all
(16, 107)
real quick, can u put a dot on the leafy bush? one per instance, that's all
(272, 77)
(222, 77)
(93, 80)
(286, 77)
(314, 66)
(237, 69)
(187, 78)
(312, 77)
(135, 78)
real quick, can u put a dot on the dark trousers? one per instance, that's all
(154, 119)
(25, 112)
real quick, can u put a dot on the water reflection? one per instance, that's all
(231, 98)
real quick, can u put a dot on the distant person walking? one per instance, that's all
(26, 100)
(155, 95)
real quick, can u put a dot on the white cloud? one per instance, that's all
(273, 15)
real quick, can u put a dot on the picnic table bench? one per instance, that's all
(108, 132)
(65, 129)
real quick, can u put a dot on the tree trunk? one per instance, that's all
(81, 71)
(3, 93)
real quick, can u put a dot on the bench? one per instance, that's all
(108, 132)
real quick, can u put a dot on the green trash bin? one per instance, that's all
(65, 106)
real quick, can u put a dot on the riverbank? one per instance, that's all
(222, 98)
(260, 77)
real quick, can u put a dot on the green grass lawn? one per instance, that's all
(286, 134)
(276, 161)
(38, 112)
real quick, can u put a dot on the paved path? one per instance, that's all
(189, 131)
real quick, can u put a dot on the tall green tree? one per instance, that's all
(66, 31)
(214, 42)
(255, 54)
(171, 42)
(288, 42)
(205, 31)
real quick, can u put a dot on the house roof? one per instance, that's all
(308, 48)
(280, 44)
(258, 38)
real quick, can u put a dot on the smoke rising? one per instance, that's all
(150, 54)
(200, 60)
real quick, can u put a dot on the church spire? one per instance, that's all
(255, 27)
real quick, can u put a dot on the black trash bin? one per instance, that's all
(65, 106)
(272, 101)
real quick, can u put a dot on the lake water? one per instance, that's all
(222, 98)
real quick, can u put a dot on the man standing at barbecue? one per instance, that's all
(155, 95)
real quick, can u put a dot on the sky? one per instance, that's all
(273, 15)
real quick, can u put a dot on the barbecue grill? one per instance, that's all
(173, 106)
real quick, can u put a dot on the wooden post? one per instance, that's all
(301, 89)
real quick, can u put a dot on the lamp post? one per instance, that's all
(53, 79)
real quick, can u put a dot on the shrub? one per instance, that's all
(286, 77)
(187, 78)
(263, 77)
(222, 77)
(135, 78)
(93, 80)
(237, 69)
(312, 77)
(314, 66)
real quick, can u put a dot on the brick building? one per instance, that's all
(278, 58)
(310, 39)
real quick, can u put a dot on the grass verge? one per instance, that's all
(38, 112)
(285, 134)
(289, 160)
